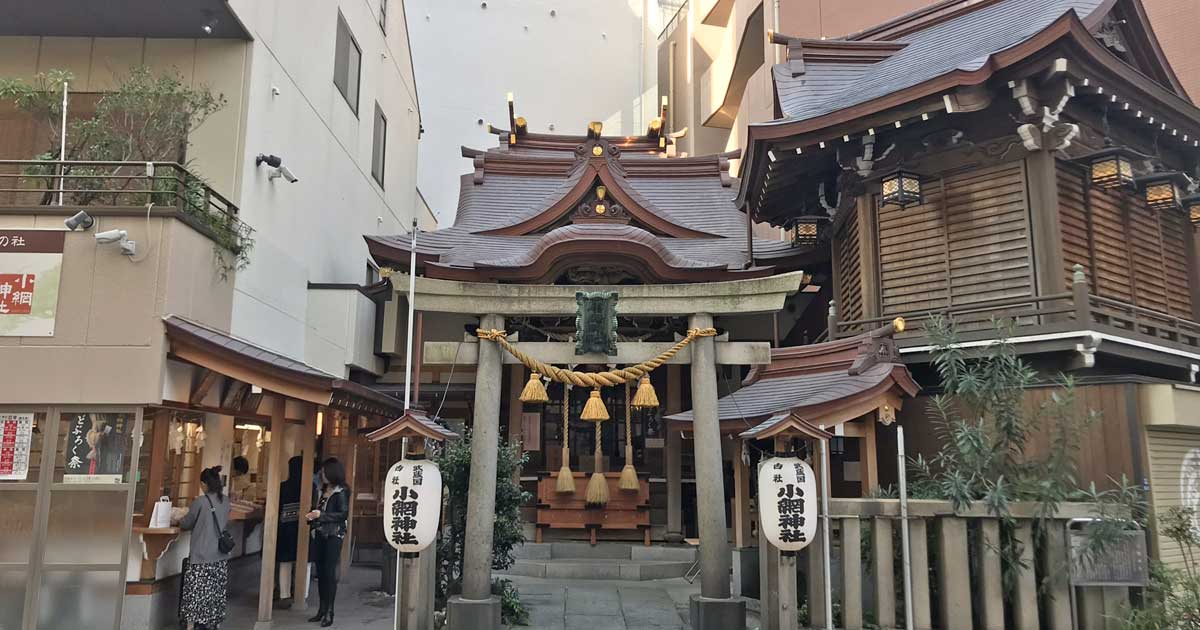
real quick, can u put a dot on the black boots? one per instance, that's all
(328, 620)
(320, 616)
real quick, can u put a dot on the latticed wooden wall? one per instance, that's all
(1132, 254)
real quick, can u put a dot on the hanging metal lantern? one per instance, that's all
(1164, 190)
(1191, 205)
(805, 230)
(1111, 167)
(902, 188)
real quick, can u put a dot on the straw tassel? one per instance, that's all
(535, 391)
(629, 478)
(594, 410)
(597, 489)
(566, 479)
(646, 396)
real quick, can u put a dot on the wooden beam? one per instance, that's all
(266, 578)
(200, 390)
(308, 451)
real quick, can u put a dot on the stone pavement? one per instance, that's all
(553, 604)
(605, 604)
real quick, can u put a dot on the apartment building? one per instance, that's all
(566, 64)
(129, 326)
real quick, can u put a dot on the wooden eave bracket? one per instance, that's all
(1041, 103)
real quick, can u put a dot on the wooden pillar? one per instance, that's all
(918, 545)
(674, 457)
(852, 613)
(741, 499)
(307, 453)
(991, 588)
(351, 479)
(883, 572)
(954, 574)
(1025, 597)
(869, 456)
(266, 578)
(158, 462)
(768, 583)
(815, 555)
(1058, 593)
(1047, 236)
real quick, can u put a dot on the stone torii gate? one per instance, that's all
(714, 608)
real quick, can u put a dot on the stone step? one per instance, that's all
(677, 553)
(604, 551)
(599, 569)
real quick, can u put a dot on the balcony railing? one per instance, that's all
(1072, 310)
(30, 183)
(34, 184)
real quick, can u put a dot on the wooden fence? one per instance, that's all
(956, 567)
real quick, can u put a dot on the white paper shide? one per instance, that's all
(787, 502)
(412, 502)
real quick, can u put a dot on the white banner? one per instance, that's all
(787, 502)
(412, 504)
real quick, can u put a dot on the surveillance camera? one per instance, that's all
(270, 160)
(111, 236)
(80, 219)
(283, 172)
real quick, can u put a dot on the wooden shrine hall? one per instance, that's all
(589, 286)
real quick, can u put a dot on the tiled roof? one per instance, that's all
(519, 201)
(964, 42)
(342, 393)
(778, 395)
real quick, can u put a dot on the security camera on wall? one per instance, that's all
(277, 168)
(283, 172)
(128, 247)
(80, 220)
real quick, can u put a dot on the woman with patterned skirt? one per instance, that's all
(206, 580)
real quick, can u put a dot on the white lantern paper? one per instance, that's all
(787, 502)
(412, 502)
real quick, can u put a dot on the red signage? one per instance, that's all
(16, 293)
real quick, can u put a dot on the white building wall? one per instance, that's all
(311, 231)
(588, 61)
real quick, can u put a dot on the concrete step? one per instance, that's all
(677, 553)
(599, 569)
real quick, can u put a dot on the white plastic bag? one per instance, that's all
(161, 516)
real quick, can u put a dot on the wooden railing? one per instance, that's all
(955, 567)
(34, 183)
(1076, 309)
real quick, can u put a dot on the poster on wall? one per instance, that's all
(16, 435)
(30, 268)
(95, 448)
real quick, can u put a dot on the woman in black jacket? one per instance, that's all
(328, 524)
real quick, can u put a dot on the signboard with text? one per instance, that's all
(787, 502)
(30, 268)
(16, 435)
(412, 503)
